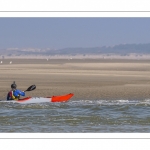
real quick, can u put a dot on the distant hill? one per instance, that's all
(121, 49)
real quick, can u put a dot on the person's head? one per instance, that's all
(14, 86)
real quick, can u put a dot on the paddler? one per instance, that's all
(14, 94)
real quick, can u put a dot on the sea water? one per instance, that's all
(76, 116)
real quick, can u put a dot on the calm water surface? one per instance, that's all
(76, 116)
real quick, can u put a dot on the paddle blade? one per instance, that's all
(31, 88)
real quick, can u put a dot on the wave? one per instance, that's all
(75, 103)
(111, 102)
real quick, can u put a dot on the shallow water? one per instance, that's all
(79, 116)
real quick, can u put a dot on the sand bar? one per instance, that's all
(88, 79)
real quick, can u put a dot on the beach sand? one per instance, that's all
(88, 79)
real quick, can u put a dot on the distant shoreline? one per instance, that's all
(131, 56)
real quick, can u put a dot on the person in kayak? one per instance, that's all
(14, 94)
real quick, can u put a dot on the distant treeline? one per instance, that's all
(122, 49)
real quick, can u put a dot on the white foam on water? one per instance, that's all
(93, 102)
(110, 102)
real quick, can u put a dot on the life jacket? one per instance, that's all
(11, 96)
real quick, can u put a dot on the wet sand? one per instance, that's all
(87, 79)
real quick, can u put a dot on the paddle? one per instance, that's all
(31, 88)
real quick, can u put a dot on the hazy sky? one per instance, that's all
(72, 32)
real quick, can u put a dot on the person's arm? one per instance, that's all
(19, 92)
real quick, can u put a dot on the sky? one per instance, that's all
(64, 32)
